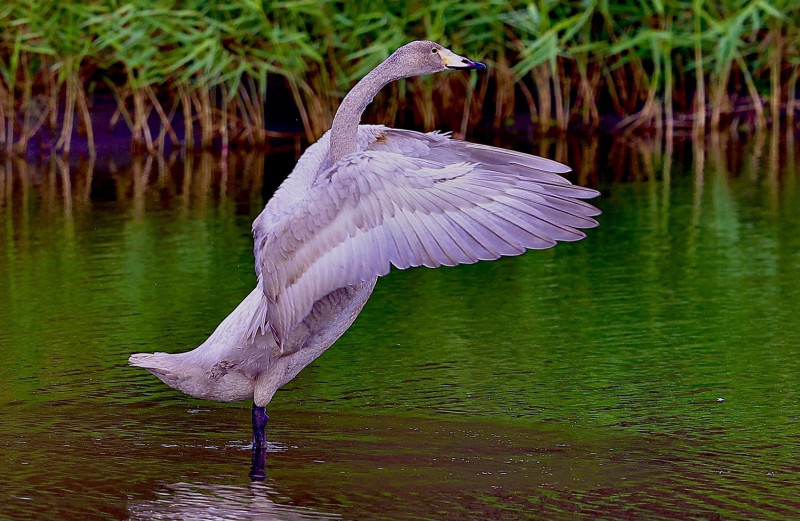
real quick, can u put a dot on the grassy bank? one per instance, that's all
(212, 67)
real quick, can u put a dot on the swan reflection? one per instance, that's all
(204, 501)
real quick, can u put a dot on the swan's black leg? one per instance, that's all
(259, 460)
(260, 420)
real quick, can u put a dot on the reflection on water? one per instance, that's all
(203, 501)
(649, 371)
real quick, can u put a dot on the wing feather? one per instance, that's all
(405, 255)
(410, 199)
(467, 245)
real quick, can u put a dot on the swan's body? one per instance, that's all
(363, 198)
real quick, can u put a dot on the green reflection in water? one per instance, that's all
(649, 370)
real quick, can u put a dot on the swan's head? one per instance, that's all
(423, 57)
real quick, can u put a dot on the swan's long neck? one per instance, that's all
(348, 116)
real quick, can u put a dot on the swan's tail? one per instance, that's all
(151, 361)
(183, 371)
(163, 365)
(175, 370)
(221, 368)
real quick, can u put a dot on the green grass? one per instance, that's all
(653, 64)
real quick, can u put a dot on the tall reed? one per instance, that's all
(204, 74)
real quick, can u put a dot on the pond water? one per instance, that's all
(649, 371)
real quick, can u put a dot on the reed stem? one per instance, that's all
(588, 60)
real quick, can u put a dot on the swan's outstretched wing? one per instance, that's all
(378, 208)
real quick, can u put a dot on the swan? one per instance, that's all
(361, 199)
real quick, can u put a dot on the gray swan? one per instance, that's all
(361, 199)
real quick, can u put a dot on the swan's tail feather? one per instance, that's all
(150, 361)
(163, 365)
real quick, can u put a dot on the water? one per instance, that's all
(649, 371)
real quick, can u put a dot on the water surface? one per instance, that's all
(649, 371)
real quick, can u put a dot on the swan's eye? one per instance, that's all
(434, 50)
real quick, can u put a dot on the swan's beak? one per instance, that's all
(454, 61)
